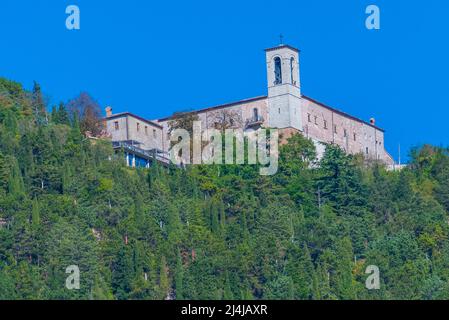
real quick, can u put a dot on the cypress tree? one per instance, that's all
(35, 214)
(38, 106)
(179, 278)
(15, 181)
(122, 271)
(62, 115)
(163, 278)
(227, 293)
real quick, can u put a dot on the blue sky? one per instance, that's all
(156, 57)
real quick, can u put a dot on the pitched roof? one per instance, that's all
(124, 114)
(344, 114)
(235, 103)
(221, 106)
(282, 46)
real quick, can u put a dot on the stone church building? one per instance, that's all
(285, 108)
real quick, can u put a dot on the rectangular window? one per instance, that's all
(146, 130)
(367, 151)
(308, 117)
(355, 136)
(345, 133)
(116, 126)
(138, 127)
(335, 128)
(154, 133)
(325, 124)
(316, 120)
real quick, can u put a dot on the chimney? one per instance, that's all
(372, 121)
(108, 111)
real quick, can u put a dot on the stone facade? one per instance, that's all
(128, 127)
(284, 108)
(328, 125)
(242, 112)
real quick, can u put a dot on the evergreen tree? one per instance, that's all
(209, 232)
(122, 273)
(38, 105)
(179, 278)
(15, 182)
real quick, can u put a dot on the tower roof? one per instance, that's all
(281, 46)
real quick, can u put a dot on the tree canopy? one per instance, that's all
(203, 232)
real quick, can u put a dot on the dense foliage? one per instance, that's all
(210, 232)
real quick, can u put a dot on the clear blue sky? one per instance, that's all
(156, 57)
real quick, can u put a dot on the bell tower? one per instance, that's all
(284, 93)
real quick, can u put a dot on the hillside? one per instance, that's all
(210, 232)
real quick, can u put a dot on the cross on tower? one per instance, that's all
(281, 37)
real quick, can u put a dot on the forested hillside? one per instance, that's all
(209, 232)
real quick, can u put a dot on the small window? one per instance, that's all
(138, 127)
(316, 120)
(154, 133)
(116, 125)
(345, 133)
(292, 70)
(355, 136)
(325, 124)
(279, 110)
(367, 151)
(335, 128)
(146, 130)
(309, 117)
(256, 113)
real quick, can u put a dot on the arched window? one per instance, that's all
(292, 67)
(256, 114)
(277, 71)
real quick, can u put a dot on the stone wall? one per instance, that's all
(239, 112)
(354, 136)
(133, 128)
(321, 123)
